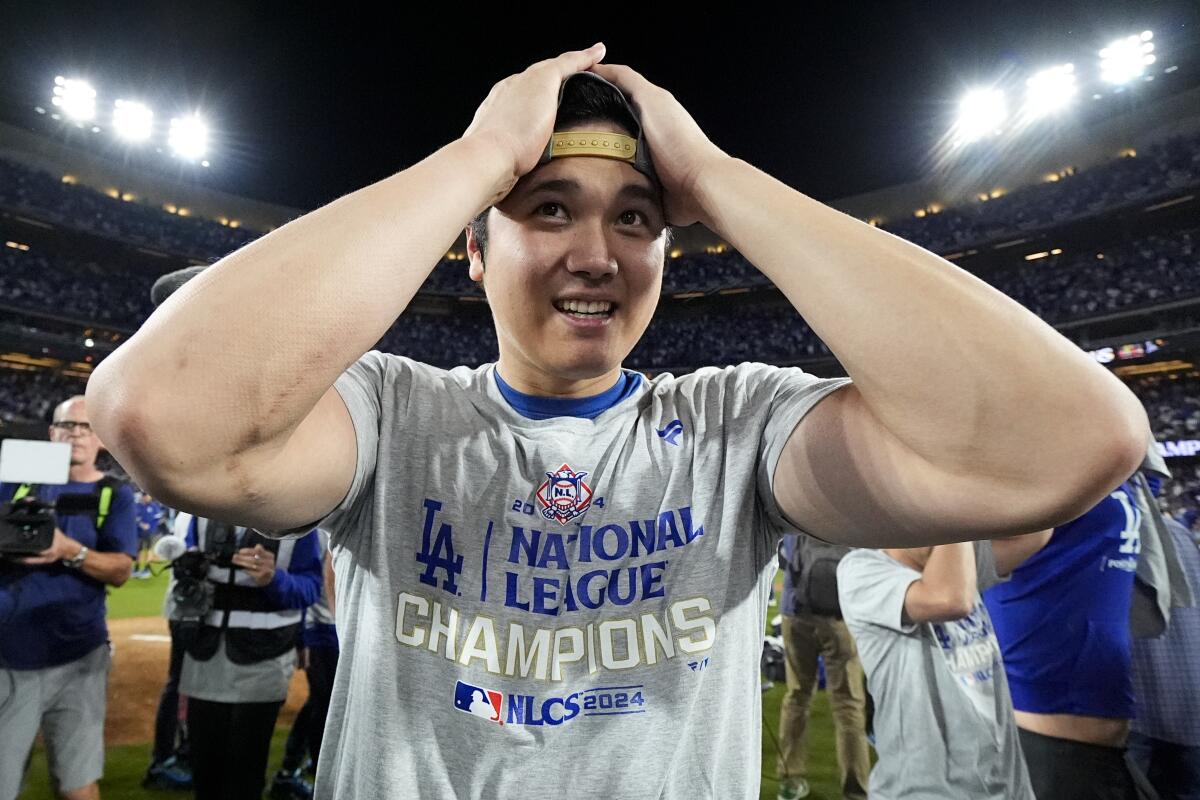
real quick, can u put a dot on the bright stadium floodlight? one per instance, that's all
(76, 98)
(980, 114)
(132, 121)
(188, 137)
(1050, 91)
(1127, 58)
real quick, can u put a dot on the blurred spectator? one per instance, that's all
(943, 713)
(1165, 741)
(813, 629)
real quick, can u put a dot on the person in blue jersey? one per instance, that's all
(151, 516)
(1063, 625)
(318, 659)
(239, 657)
(54, 652)
(551, 570)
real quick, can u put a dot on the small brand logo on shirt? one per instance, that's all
(671, 432)
(564, 496)
(478, 702)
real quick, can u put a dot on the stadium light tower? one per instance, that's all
(980, 113)
(75, 97)
(132, 121)
(1050, 91)
(188, 137)
(1127, 58)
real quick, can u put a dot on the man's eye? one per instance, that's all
(632, 217)
(550, 209)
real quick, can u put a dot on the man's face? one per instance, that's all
(582, 229)
(71, 425)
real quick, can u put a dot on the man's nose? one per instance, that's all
(590, 253)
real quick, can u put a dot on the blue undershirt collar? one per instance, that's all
(535, 407)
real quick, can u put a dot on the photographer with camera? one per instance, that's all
(239, 598)
(54, 654)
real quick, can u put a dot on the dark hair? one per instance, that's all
(582, 101)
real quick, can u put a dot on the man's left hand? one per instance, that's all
(258, 562)
(62, 547)
(680, 150)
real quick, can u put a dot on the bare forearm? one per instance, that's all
(950, 571)
(110, 568)
(961, 374)
(947, 586)
(242, 353)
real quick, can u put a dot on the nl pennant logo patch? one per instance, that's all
(564, 496)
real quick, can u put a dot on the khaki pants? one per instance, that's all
(805, 636)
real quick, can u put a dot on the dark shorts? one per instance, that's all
(1062, 769)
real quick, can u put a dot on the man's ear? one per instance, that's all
(475, 254)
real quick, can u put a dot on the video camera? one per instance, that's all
(27, 523)
(192, 593)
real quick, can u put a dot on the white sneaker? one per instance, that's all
(793, 789)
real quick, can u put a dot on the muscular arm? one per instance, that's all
(968, 418)
(946, 588)
(229, 382)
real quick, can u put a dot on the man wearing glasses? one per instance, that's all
(54, 654)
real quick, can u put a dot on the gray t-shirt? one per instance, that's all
(944, 724)
(564, 606)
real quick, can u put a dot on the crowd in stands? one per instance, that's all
(46, 197)
(1136, 273)
(87, 291)
(1173, 405)
(1147, 271)
(1142, 272)
(1162, 168)
(30, 396)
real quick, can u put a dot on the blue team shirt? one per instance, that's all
(1063, 617)
(151, 515)
(52, 615)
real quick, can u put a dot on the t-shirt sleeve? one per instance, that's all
(872, 588)
(985, 567)
(361, 389)
(783, 396)
(118, 534)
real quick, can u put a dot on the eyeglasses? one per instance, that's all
(70, 426)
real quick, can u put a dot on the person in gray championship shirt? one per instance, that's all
(944, 725)
(552, 570)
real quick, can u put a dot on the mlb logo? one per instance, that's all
(563, 495)
(478, 702)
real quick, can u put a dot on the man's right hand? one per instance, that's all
(518, 114)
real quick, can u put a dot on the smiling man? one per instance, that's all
(552, 570)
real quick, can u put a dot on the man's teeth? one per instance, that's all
(584, 307)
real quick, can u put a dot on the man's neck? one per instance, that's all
(542, 384)
(85, 473)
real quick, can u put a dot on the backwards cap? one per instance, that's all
(168, 284)
(602, 144)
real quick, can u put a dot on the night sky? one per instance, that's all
(310, 102)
